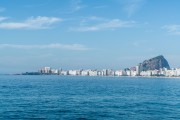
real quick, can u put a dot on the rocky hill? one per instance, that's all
(154, 63)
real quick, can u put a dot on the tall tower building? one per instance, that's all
(137, 70)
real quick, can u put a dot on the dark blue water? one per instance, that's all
(95, 98)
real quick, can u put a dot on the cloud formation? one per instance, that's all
(48, 46)
(39, 22)
(76, 5)
(3, 18)
(132, 6)
(108, 25)
(172, 29)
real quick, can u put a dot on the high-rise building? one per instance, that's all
(45, 70)
(138, 70)
(105, 72)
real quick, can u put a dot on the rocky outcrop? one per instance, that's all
(154, 63)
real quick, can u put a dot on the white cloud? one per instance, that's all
(31, 23)
(132, 6)
(48, 46)
(76, 5)
(3, 18)
(86, 20)
(172, 29)
(95, 18)
(108, 25)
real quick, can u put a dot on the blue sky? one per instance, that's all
(74, 34)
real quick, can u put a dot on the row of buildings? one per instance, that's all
(135, 71)
(162, 72)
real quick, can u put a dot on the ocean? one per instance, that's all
(88, 98)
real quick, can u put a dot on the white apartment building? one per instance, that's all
(133, 73)
(146, 73)
(118, 73)
(93, 73)
(63, 72)
(55, 71)
(85, 73)
(72, 72)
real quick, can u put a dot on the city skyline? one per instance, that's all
(74, 34)
(136, 71)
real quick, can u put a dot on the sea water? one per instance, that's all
(89, 98)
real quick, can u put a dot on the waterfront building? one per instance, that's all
(177, 71)
(128, 72)
(45, 70)
(146, 73)
(55, 71)
(78, 72)
(85, 72)
(105, 72)
(93, 73)
(63, 72)
(100, 73)
(118, 73)
(133, 73)
(72, 72)
(137, 70)
(155, 72)
(110, 72)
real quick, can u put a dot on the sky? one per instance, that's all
(87, 34)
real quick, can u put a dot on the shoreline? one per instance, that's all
(178, 77)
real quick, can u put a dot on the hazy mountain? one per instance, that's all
(154, 63)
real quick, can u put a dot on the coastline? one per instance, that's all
(178, 77)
